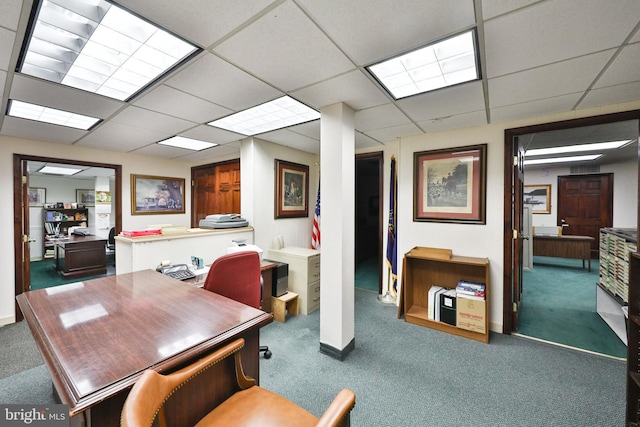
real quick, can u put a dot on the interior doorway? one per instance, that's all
(368, 221)
(21, 229)
(512, 304)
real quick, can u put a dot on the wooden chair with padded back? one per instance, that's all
(249, 406)
(238, 276)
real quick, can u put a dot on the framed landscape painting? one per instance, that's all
(156, 195)
(539, 197)
(450, 185)
(292, 190)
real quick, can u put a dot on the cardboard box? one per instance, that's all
(471, 314)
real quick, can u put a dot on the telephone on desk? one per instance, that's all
(178, 271)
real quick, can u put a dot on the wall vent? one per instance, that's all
(585, 169)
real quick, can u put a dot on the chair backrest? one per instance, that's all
(236, 276)
(112, 236)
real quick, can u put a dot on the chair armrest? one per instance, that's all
(338, 413)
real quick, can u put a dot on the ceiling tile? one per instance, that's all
(214, 153)
(364, 141)
(572, 76)
(163, 151)
(379, 117)
(310, 129)
(170, 101)
(40, 131)
(537, 108)
(369, 31)
(446, 102)
(137, 117)
(612, 95)
(562, 29)
(352, 88)
(292, 139)
(212, 134)
(31, 89)
(121, 137)
(284, 47)
(202, 21)
(458, 121)
(217, 81)
(624, 68)
(7, 39)
(493, 8)
(10, 13)
(391, 134)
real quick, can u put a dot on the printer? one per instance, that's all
(242, 246)
(223, 221)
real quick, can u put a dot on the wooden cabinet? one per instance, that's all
(304, 274)
(633, 335)
(58, 221)
(426, 267)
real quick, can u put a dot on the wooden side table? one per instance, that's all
(283, 304)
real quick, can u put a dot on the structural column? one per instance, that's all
(337, 184)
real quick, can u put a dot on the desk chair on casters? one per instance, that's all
(237, 276)
(243, 404)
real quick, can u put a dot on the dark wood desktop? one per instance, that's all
(80, 256)
(577, 247)
(98, 336)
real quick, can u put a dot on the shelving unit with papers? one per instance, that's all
(633, 350)
(59, 221)
(426, 267)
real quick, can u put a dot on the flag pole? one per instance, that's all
(391, 257)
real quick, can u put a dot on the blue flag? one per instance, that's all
(392, 247)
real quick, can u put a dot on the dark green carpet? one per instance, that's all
(44, 275)
(559, 305)
(367, 275)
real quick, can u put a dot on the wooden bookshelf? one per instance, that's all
(62, 218)
(426, 267)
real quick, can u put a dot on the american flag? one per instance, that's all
(315, 232)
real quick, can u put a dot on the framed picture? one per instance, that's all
(156, 195)
(449, 185)
(86, 197)
(292, 190)
(37, 196)
(539, 197)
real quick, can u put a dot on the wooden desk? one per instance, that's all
(576, 247)
(97, 337)
(80, 256)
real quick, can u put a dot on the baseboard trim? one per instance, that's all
(335, 353)
(7, 320)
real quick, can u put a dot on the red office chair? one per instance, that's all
(238, 276)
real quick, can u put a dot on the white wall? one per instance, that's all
(625, 189)
(131, 164)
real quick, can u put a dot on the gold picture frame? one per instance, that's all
(539, 197)
(152, 195)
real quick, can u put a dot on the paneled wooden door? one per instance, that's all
(215, 190)
(585, 205)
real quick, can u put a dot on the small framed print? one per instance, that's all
(539, 197)
(292, 190)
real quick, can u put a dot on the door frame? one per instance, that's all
(510, 144)
(20, 281)
(379, 156)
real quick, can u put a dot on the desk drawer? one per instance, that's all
(313, 297)
(313, 268)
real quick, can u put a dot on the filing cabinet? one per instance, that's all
(304, 274)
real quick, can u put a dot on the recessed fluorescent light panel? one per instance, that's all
(56, 170)
(188, 143)
(25, 110)
(561, 159)
(96, 46)
(272, 115)
(446, 63)
(611, 145)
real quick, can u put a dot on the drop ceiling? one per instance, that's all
(537, 58)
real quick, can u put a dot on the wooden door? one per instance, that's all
(519, 232)
(22, 266)
(216, 190)
(585, 205)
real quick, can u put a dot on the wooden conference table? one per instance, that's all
(97, 337)
(577, 247)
